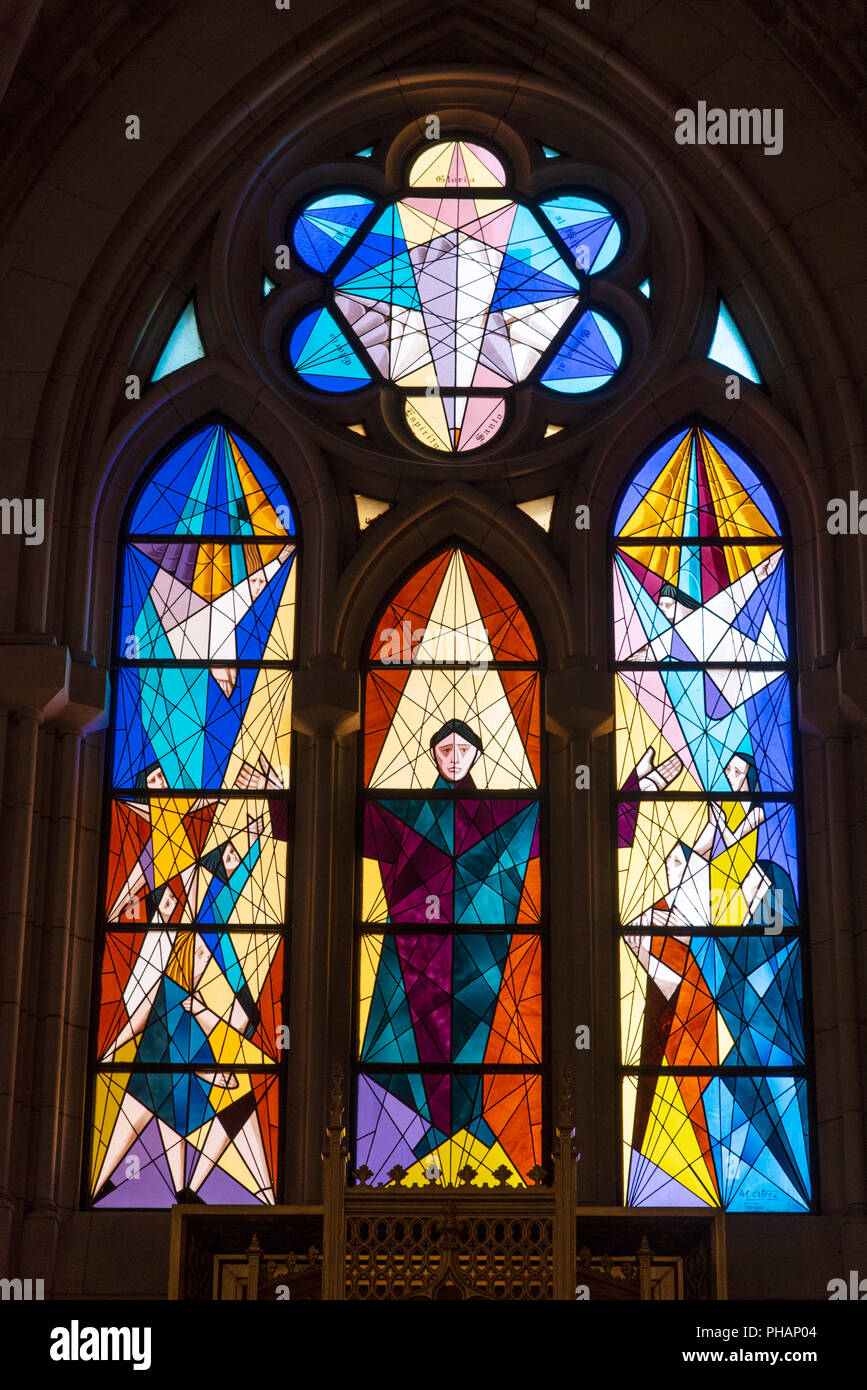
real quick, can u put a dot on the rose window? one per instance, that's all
(455, 295)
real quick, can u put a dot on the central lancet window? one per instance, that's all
(450, 1060)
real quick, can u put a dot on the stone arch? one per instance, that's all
(162, 201)
(123, 252)
(396, 542)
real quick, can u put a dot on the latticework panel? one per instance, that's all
(394, 1257)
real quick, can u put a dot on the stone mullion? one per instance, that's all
(17, 835)
(325, 715)
(579, 711)
(837, 757)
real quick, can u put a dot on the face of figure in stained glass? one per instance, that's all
(257, 583)
(676, 864)
(231, 859)
(156, 779)
(201, 956)
(667, 605)
(674, 605)
(454, 750)
(738, 773)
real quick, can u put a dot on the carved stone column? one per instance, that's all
(325, 715)
(34, 678)
(85, 712)
(579, 708)
(565, 1194)
(334, 1196)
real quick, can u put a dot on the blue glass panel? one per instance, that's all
(436, 996)
(729, 501)
(172, 608)
(320, 353)
(184, 345)
(328, 224)
(754, 1157)
(729, 349)
(213, 483)
(588, 228)
(201, 727)
(718, 1001)
(587, 359)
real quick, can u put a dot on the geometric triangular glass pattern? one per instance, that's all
(190, 1037)
(326, 225)
(587, 359)
(588, 228)
(323, 356)
(729, 347)
(455, 294)
(450, 1058)
(713, 1046)
(183, 345)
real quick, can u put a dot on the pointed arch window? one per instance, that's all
(713, 1051)
(189, 1033)
(450, 1059)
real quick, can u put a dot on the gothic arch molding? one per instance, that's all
(501, 533)
(651, 104)
(162, 214)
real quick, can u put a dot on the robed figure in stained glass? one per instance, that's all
(450, 1047)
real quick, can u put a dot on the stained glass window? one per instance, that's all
(715, 1106)
(190, 1034)
(455, 293)
(450, 1061)
(184, 344)
(729, 347)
